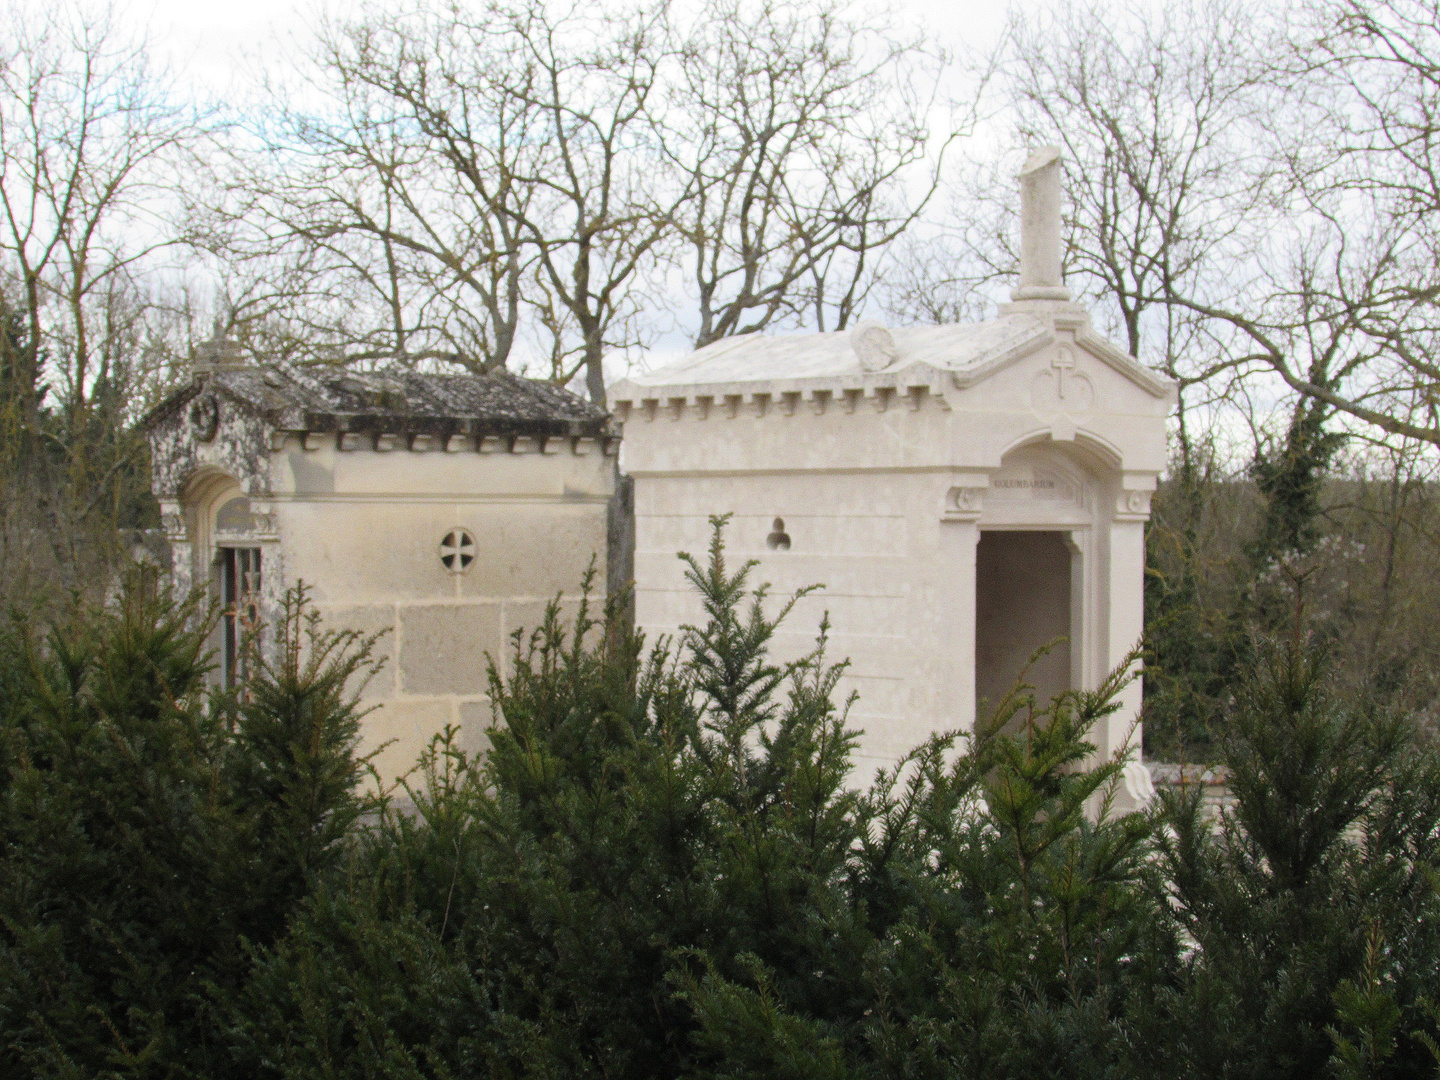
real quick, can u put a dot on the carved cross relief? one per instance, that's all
(1062, 387)
(1064, 360)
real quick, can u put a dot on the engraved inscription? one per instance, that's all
(1040, 480)
(1034, 485)
(1033, 482)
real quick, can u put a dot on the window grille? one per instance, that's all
(240, 601)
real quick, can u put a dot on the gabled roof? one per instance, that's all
(396, 400)
(957, 354)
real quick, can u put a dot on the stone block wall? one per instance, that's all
(369, 548)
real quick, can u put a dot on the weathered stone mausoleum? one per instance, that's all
(445, 509)
(965, 493)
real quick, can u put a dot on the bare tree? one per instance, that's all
(1168, 191)
(1319, 260)
(464, 178)
(91, 140)
(1360, 141)
(519, 183)
(1155, 117)
(795, 132)
(598, 201)
(1254, 195)
(372, 204)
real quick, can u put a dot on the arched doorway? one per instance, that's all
(1037, 567)
(226, 549)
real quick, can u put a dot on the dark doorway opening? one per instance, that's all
(1022, 601)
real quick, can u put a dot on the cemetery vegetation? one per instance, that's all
(662, 867)
(1250, 211)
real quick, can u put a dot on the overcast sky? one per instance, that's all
(209, 43)
(214, 47)
(217, 49)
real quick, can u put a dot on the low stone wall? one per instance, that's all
(1212, 780)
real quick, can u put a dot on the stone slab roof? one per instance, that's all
(396, 401)
(952, 355)
(759, 358)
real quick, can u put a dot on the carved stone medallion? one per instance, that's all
(205, 417)
(874, 346)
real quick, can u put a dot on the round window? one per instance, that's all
(457, 551)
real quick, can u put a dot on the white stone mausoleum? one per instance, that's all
(965, 494)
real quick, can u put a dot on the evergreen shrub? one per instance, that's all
(663, 867)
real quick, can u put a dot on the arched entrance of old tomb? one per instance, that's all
(1035, 566)
(227, 537)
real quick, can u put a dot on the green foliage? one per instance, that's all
(74, 468)
(144, 840)
(630, 808)
(1291, 478)
(1224, 557)
(1023, 921)
(660, 868)
(1228, 556)
(292, 771)
(1196, 578)
(1312, 906)
(1369, 1013)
